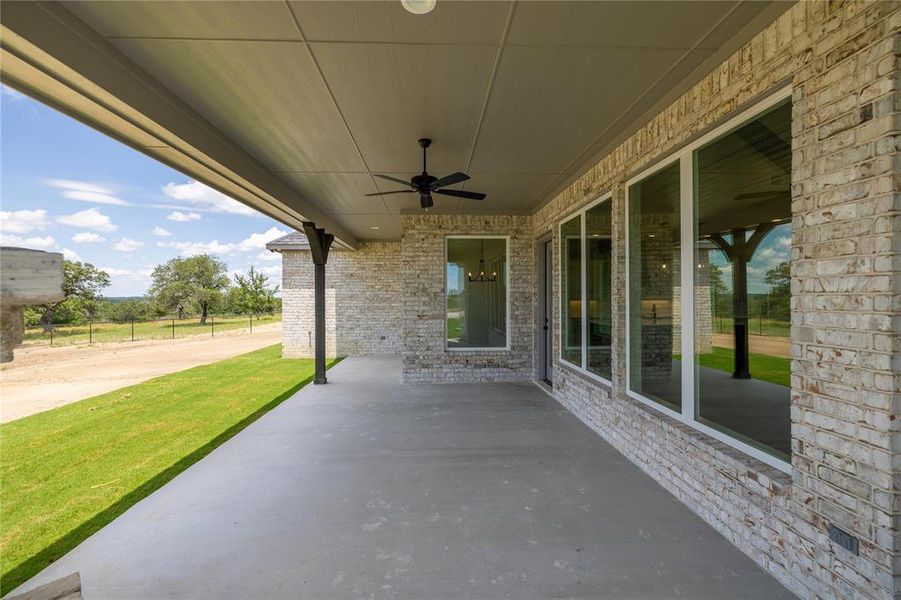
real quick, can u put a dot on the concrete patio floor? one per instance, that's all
(368, 487)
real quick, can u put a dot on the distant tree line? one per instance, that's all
(196, 286)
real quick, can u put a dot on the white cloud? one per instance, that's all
(206, 197)
(127, 245)
(181, 217)
(161, 232)
(131, 273)
(274, 270)
(86, 191)
(258, 241)
(11, 93)
(86, 237)
(23, 221)
(89, 219)
(71, 255)
(192, 248)
(35, 243)
(268, 256)
(128, 281)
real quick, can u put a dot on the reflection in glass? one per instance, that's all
(654, 237)
(571, 279)
(598, 238)
(742, 284)
(476, 293)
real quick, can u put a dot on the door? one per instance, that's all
(545, 306)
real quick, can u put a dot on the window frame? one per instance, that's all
(581, 368)
(686, 157)
(506, 239)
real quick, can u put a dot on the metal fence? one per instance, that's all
(93, 332)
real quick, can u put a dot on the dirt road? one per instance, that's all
(44, 377)
(758, 344)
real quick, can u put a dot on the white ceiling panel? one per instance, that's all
(448, 23)
(265, 20)
(267, 96)
(510, 192)
(548, 104)
(362, 226)
(338, 193)
(325, 94)
(392, 95)
(616, 24)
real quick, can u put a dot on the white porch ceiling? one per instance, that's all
(522, 96)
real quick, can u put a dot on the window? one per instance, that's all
(571, 279)
(476, 274)
(599, 245)
(654, 309)
(742, 289)
(708, 286)
(586, 289)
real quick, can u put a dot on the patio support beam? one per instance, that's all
(320, 243)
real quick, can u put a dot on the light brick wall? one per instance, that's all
(363, 301)
(424, 272)
(842, 60)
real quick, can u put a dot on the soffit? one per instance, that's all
(327, 93)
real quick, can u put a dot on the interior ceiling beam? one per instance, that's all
(48, 53)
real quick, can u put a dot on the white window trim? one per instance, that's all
(583, 367)
(685, 158)
(506, 239)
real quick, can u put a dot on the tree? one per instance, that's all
(779, 280)
(198, 281)
(253, 294)
(82, 284)
(129, 309)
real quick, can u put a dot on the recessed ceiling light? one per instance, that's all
(373, 226)
(419, 7)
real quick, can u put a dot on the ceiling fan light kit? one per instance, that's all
(419, 7)
(425, 185)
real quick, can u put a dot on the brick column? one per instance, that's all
(845, 303)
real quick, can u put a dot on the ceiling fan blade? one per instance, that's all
(393, 192)
(394, 179)
(461, 194)
(449, 180)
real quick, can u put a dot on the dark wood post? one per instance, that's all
(320, 243)
(740, 250)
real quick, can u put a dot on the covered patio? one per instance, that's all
(611, 180)
(370, 487)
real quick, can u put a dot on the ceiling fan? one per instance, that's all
(425, 185)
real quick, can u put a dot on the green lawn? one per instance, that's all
(69, 471)
(454, 328)
(149, 330)
(774, 369)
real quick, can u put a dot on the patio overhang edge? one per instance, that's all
(49, 54)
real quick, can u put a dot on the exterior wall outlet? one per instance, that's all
(844, 539)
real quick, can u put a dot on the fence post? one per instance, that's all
(132, 330)
(51, 333)
(251, 322)
(173, 329)
(91, 331)
(212, 326)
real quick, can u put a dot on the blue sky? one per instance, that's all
(68, 188)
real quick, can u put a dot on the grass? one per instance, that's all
(774, 369)
(146, 330)
(454, 328)
(69, 471)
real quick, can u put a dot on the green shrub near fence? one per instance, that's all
(143, 330)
